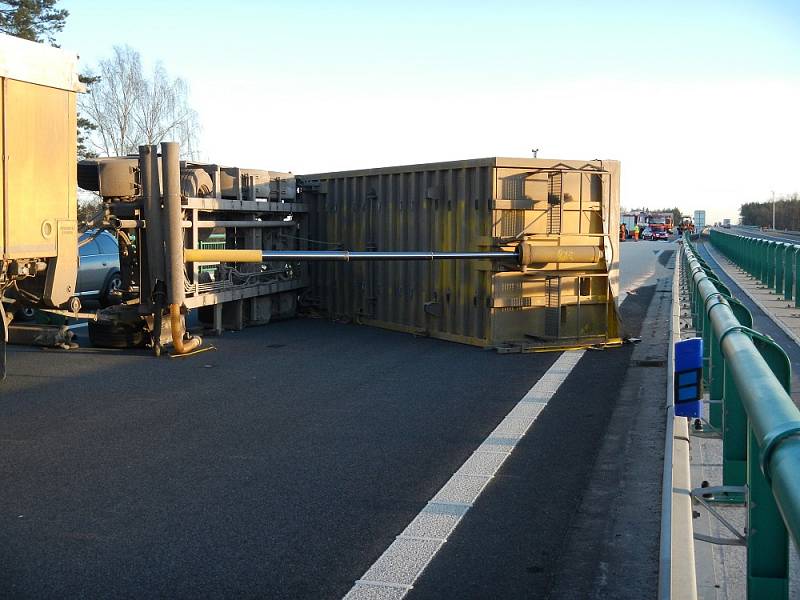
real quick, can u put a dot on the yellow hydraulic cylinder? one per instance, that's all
(531, 254)
(239, 256)
(527, 254)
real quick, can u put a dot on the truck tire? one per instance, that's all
(113, 334)
(113, 283)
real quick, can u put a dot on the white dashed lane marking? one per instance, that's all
(401, 564)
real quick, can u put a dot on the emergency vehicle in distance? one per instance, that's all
(651, 226)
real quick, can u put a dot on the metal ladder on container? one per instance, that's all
(554, 201)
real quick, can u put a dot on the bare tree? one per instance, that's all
(129, 109)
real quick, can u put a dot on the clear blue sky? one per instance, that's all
(698, 99)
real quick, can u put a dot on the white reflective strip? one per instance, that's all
(396, 570)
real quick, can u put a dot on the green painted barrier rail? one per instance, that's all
(759, 423)
(774, 264)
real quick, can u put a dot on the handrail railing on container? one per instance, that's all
(761, 429)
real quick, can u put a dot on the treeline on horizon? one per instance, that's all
(787, 213)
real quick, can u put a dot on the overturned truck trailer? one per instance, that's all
(510, 253)
(479, 205)
(162, 209)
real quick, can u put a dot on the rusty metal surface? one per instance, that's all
(474, 205)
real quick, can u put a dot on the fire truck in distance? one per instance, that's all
(659, 224)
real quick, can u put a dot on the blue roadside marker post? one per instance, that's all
(689, 378)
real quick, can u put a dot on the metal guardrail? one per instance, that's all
(760, 425)
(775, 264)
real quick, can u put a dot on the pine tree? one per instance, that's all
(34, 20)
(85, 126)
(38, 21)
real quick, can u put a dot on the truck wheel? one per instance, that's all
(114, 334)
(24, 315)
(108, 295)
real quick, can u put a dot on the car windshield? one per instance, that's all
(104, 243)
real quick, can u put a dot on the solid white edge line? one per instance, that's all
(387, 571)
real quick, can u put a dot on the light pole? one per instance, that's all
(773, 209)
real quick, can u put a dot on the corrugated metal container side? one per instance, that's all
(38, 87)
(37, 98)
(472, 205)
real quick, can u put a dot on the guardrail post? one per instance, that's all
(692, 298)
(741, 248)
(771, 247)
(747, 253)
(767, 537)
(704, 331)
(756, 258)
(716, 381)
(741, 242)
(797, 277)
(716, 375)
(734, 434)
(765, 266)
(780, 259)
(734, 419)
(696, 319)
(788, 271)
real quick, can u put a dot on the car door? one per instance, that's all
(109, 248)
(90, 269)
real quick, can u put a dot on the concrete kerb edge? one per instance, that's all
(665, 547)
(681, 581)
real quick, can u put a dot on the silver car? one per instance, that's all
(98, 267)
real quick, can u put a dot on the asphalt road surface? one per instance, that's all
(639, 263)
(284, 463)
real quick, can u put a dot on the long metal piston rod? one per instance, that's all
(336, 255)
(527, 255)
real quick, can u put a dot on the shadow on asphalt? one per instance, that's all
(510, 544)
